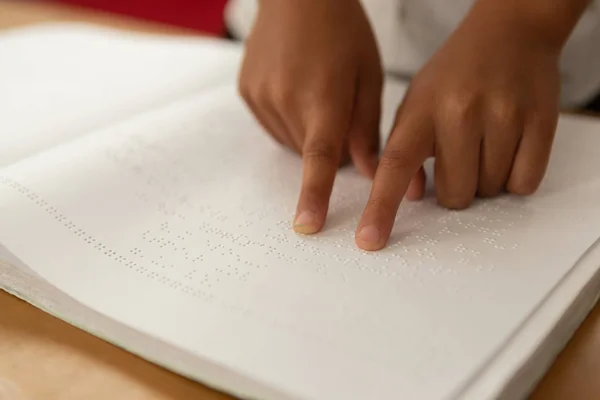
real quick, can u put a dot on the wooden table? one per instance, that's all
(51, 360)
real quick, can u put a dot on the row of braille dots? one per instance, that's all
(306, 246)
(422, 238)
(163, 208)
(221, 235)
(313, 251)
(206, 280)
(244, 241)
(487, 267)
(503, 210)
(446, 231)
(410, 209)
(358, 262)
(166, 228)
(496, 226)
(485, 215)
(401, 270)
(137, 252)
(441, 269)
(251, 217)
(281, 238)
(231, 270)
(97, 245)
(490, 234)
(461, 248)
(236, 239)
(163, 242)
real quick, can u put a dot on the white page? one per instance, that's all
(59, 81)
(178, 224)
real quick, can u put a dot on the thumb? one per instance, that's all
(363, 137)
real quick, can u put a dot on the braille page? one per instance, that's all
(61, 81)
(177, 224)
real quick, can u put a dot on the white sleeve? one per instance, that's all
(580, 63)
(410, 31)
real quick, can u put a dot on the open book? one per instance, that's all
(140, 201)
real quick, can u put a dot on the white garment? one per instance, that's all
(410, 31)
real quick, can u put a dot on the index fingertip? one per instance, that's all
(307, 223)
(370, 238)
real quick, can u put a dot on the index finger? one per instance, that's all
(321, 155)
(411, 142)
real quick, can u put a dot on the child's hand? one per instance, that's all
(486, 107)
(312, 77)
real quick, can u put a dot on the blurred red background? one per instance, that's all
(202, 15)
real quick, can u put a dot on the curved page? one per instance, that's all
(177, 224)
(60, 81)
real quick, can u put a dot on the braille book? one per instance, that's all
(141, 202)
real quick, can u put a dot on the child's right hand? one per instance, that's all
(312, 77)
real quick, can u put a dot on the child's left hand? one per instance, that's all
(486, 107)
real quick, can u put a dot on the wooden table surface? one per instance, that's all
(43, 358)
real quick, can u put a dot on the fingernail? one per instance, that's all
(370, 236)
(306, 222)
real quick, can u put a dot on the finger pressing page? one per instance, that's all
(498, 148)
(321, 156)
(410, 143)
(363, 137)
(457, 147)
(533, 154)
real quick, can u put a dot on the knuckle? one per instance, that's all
(458, 107)
(502, 110)
(396, 160)
(321, 151)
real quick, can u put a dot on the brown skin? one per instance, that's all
(485, 105)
